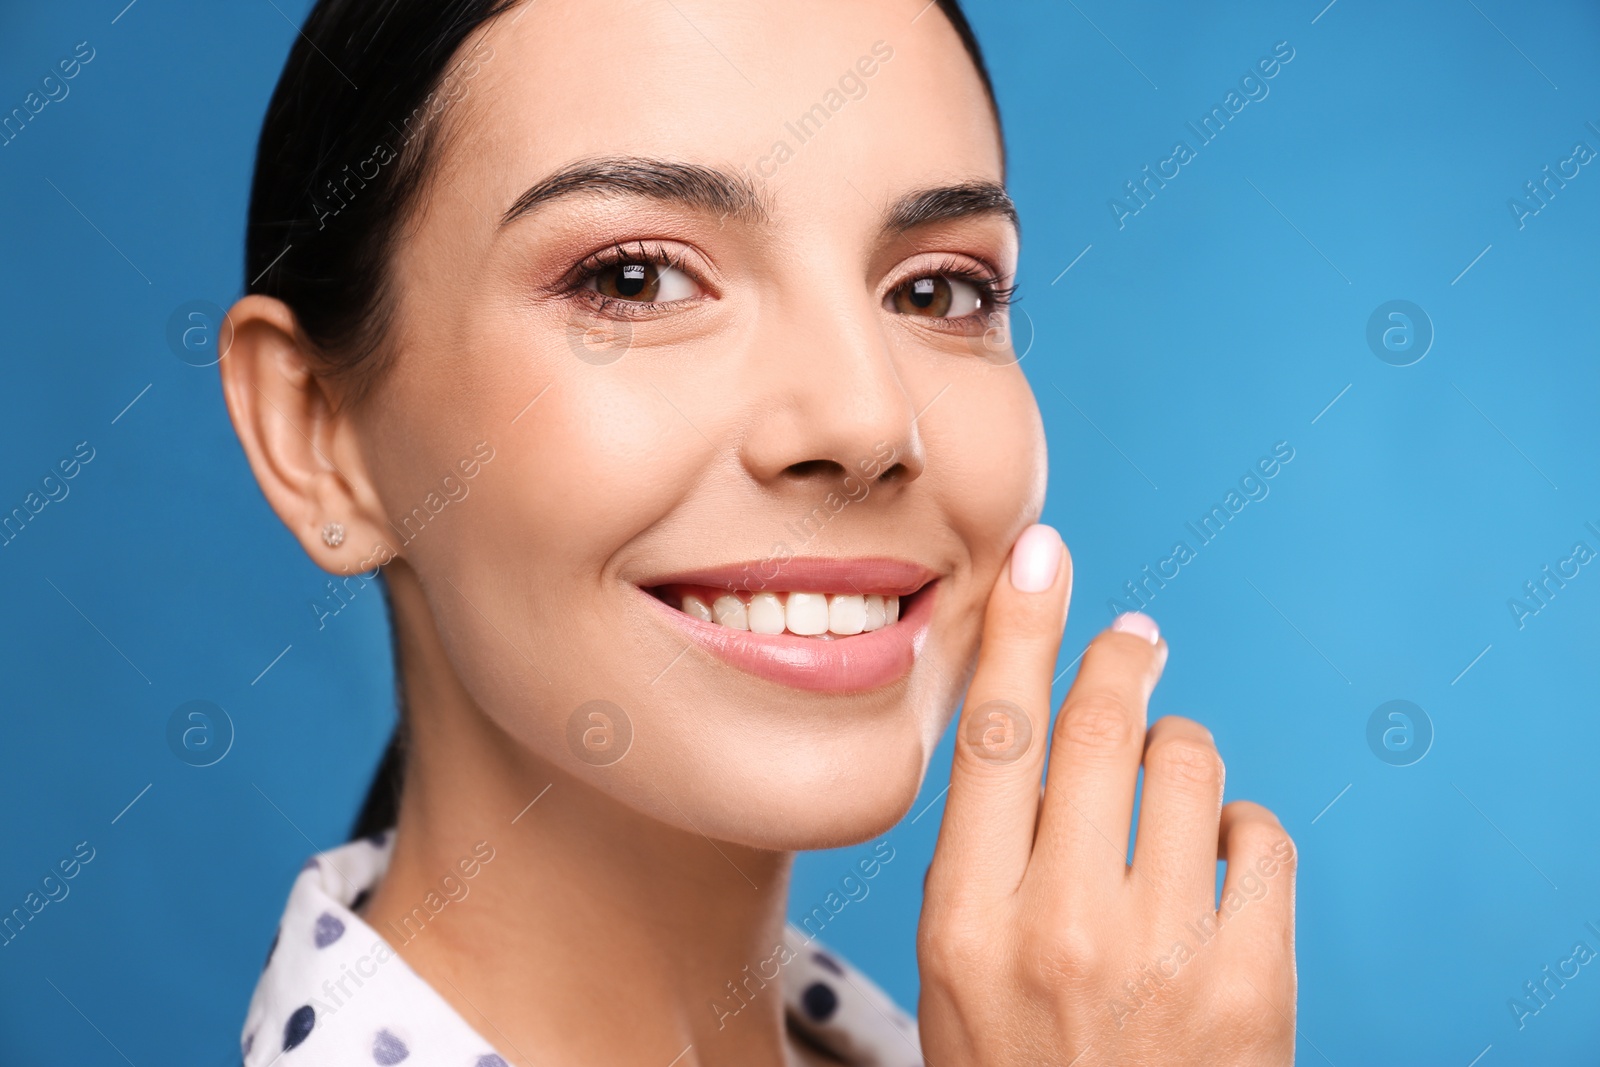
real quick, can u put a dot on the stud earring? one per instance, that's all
(333, 534)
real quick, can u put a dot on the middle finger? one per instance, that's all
(1094, 757)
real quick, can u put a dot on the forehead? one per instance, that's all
(879, 94)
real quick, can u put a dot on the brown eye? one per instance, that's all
(629, 281)
(937, 296)
(643, 282)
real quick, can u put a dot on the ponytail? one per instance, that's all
(382, 806)
(381, 809)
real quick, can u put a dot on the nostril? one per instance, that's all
(815, 468)
(897, 473)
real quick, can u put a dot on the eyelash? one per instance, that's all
(575, 284)
(993, 295)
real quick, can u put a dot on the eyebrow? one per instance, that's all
(690, 184)
(723, 193)
(948, 202)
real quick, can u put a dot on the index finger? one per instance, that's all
(987, 833)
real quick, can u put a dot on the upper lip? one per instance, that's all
(865, 574)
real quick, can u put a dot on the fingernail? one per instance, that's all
(1035, 559)
(1134, 622)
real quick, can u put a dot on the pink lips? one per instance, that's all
(848, 664)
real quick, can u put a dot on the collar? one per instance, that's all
(334, 991)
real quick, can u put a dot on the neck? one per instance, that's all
(575, 902)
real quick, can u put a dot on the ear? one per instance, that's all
(304, 448)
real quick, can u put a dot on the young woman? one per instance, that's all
(656, 354)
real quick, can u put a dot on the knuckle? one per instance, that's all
(1244, 1009)
(1281, 847)
(1112, 652)
(997, 732)
(1265, 838)
(1237, 1006)
(1109, 644)
(1179, 725)
(1190, 760)
(1098, 720)
(1062, 957)
(947, 953)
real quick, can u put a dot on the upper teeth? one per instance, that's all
(807, 614)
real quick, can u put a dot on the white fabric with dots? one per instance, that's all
(334, 992)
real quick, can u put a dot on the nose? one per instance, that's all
(833, 405)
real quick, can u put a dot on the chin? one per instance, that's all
(820, 792)
(783, 769)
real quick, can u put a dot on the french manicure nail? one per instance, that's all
(1134, 622)
(1035, 559)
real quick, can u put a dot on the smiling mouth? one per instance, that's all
(823, 616)
(839, 626)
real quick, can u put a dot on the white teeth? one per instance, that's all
(847, 614)
(766, 614)
(816, 615)
(729, 611)
(807, 614)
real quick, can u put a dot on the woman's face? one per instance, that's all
(739, 340)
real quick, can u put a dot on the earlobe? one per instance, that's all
(301, 445)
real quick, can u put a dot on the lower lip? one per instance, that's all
(845, 665)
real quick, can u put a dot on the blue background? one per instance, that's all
(1222, 318)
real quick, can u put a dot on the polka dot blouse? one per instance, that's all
(334, 992)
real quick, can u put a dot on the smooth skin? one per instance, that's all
(1100, 961)
(782, 360)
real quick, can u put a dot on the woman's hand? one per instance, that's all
(1039, 943)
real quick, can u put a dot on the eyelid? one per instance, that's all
(962, 265)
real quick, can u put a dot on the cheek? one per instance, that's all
(534, 618)
(576, 473)
(992, 467)
(524, 557)
(579, 477)
(986, 465)
(594, 469)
